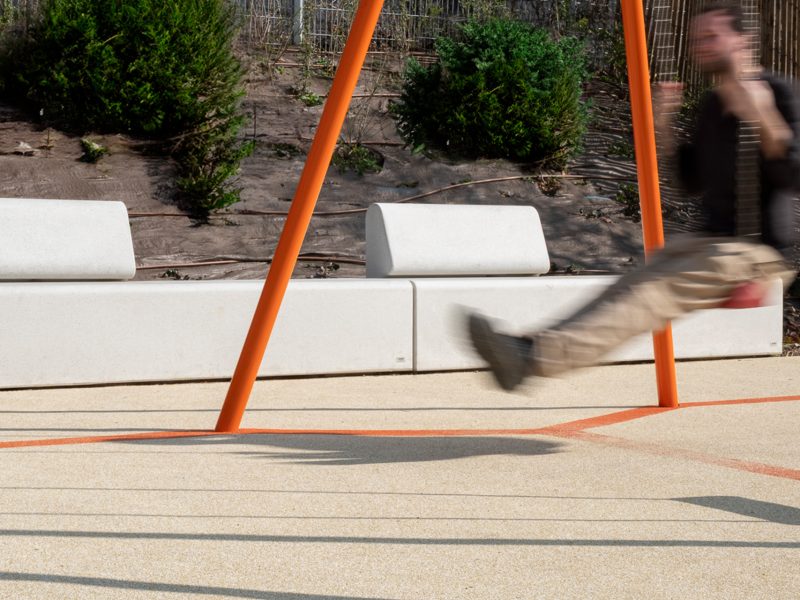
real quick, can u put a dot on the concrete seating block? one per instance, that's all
(64, 240)
(419, 240)
(95, 333)
(527, 304)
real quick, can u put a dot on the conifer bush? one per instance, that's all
(499, 89)
(143, 67)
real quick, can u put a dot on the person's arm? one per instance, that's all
(754, 101)
(776, 132)
(782, 169)
(667, 101)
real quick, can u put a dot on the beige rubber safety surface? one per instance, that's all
(452, 489)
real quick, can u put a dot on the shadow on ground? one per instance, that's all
(339, 450)
(395, 541)
(166, 588)
(766, 511)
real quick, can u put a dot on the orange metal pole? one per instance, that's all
(299, 217)
(647, 167)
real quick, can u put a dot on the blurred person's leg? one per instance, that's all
(690, 274)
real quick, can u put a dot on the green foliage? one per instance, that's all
(503, 89)
(692, 102)
(208, 157)
(144, 67)
(92, 151)
(599, 26)
(610, 60)
(284, 150)
(8, 12)
(622, 148)
(628, 197)
(309, 98)
(357, 158)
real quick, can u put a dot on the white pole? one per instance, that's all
(297, 22)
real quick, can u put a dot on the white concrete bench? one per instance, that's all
(527, 303)
(420, 241)
(64, 332)
(61, 333)
(60, 326)
(53, 240)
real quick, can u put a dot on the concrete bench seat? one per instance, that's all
(421, 241)
(75, 330)
(528, 303)
(75, 240)
(434, 240)
(62, 325)
(60, 333)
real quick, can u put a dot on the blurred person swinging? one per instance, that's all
(744, 161)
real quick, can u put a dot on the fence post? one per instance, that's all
(297, 22)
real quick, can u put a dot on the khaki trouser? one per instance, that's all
(689, 274)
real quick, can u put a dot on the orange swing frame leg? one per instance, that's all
(319, 158)
(647, 170)
(299, 217)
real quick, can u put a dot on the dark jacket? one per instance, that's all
(707, 166)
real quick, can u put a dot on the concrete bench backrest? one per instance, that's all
(440, 240)
(53, 240)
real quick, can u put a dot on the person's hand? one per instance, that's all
(667, 101)
(668, 98)
(753, 101)
(747, 99)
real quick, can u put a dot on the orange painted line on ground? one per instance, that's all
(741, 401)
(98, 439)
(672, 452)
(167, 435)
(560, 430)
(580, 425)
(609, 419)
(570, 431)
(639, 413)
(395, 432)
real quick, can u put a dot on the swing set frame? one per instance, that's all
(321, 152)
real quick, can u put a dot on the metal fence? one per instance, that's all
(403, 24)
(324, 24)
(266, 22)
(414, 24)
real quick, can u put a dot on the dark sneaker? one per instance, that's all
(508, 356)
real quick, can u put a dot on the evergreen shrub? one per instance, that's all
(142, 67)
(499, 89)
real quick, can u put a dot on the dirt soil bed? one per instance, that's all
(584, 226)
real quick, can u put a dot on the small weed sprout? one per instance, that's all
(628, 197)
(310, 99)
(92, 151)
(357, 158)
